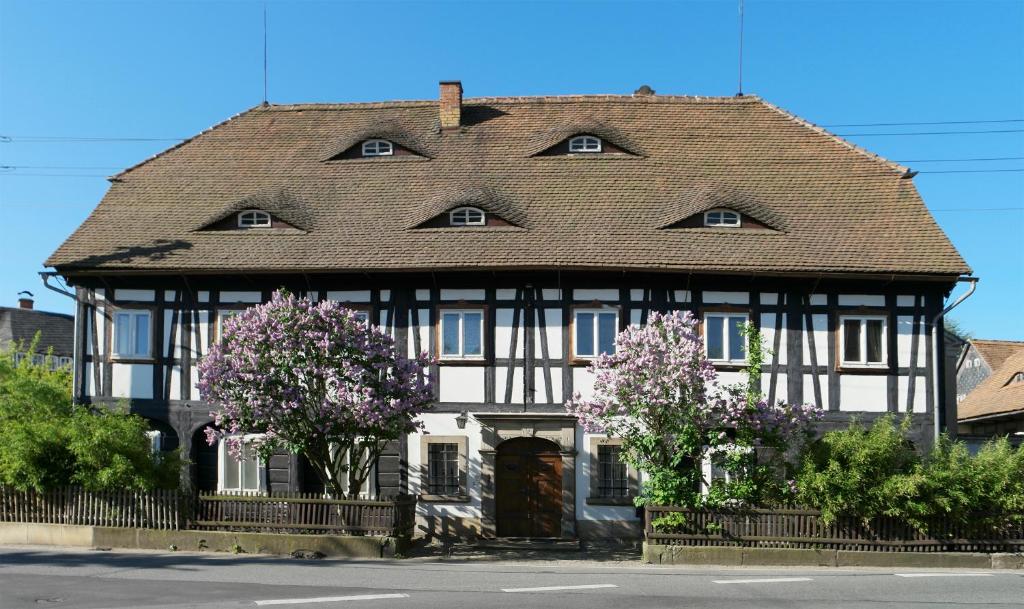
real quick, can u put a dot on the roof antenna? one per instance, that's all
(740, 92)
(265, 54)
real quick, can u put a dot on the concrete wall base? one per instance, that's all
(17, 533)
(799, 557)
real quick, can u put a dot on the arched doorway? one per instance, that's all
(528, 489)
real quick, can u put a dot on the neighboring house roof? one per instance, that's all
(835, 207)
(20, 326)
(996, 395)
(995, 352)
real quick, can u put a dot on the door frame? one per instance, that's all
(496, 428)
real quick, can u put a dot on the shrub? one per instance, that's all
(48, 442)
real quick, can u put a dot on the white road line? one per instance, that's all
(766, 580)
(550, 588)
(942, 574)
(330, 599)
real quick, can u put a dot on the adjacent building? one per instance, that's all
(511, 238)
(19, 327)
(990, 391)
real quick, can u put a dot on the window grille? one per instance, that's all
(443, 469)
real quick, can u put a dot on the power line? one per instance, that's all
(974, 171)
(980, 209)
(933, 133)
(995, 158)
(1006, 120)
(7, 139)
(16, 167)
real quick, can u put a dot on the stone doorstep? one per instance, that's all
(800, 557)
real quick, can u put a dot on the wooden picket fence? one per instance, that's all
(800, 528)
(156, 509)
(305, 513)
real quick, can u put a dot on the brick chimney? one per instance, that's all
(451, 104)
(25, 302)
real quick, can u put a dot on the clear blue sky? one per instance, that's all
(169, 69)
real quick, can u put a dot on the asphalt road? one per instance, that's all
(43, 577)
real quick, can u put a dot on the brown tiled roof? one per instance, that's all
(996, 395)
(840, 209)
(995, 352)
(19, 326)
(706, 196)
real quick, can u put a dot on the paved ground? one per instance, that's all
(44, 577)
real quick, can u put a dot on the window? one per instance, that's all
(585, 143)
(131, 333)
(721, 217)
(462, 333)
(378, 148)
(595, 332)
(222, 316)
(443, 465)
(613, 477)
(862, 340)
(723, 337)
(467, 216)
(443, 468)
(1016, 378)
(155, 441)
(253, 219)
(243, 475)
(713, 470)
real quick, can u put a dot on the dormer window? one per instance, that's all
(721, 217)
(253, 218)
(585, 143)
(467, 216)
(378, 148)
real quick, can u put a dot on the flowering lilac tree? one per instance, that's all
(314, 379)
(660, 395)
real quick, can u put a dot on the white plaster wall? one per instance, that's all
(229, 296)
(504, 294)
(768, 332)
(503, 333)
(920, 400)
(809, 389)
(820, 329)
(443, 424)
(905, 339)
(739, 298)
(556, 385)
(501, 379)
(769, 298)
(731, 377)
(349, 295)
(551, 294)
(862, 300)
(143, 295)
(553, 332)
(589, 295)
(634, 317)
(863, 392)
(131, 380)
(462, 383)
(905, 301)
(472, 294)
(582, 381)
(424, 331)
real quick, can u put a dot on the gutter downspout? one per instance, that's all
(938, 388)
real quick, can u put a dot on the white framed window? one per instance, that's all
(594, 331)
(222, 316)
(462, 334)
(156, 438)
(467, 216)
(253, 218)
(378, 148)
(244, 475)
(862, 340)
(585, 143)
(132, 333)
(721, 217)
(723, 337)
(712, 470)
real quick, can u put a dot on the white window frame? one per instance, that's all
(863, 319)
(707, 470)
(726, 345)
(720, 222)
(462, 334)
(595, 330)
(254, 218)
(378, 148)
(224, 459)
(464, 212)
(222, 316)
(585, 144)
(156, 440)
(132, 315)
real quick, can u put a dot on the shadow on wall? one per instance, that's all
(451, 521)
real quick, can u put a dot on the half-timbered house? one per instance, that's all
(512, 238)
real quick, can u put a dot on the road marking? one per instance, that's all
(330, 599)
(766, 580)
(942, 574)
(550, 588)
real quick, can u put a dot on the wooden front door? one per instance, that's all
(529, 488)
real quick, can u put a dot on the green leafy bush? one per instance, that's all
(47, 442)
(866, 473)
